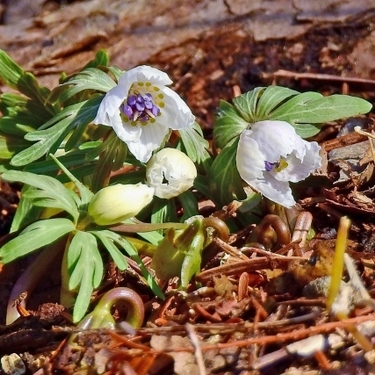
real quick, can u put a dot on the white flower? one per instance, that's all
(117, 203)
(271, 154)
(141, 110)
(170, 172)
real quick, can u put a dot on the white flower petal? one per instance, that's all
(300, 168)
(276, 191)
(125, 131)
(144, 73)
(151, 138)
(110, 105)
(249, 159)
(274, 138)
(176, 114)
(251, 167)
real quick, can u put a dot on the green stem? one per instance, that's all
(146, 227)
(85, 222)
(143, 247)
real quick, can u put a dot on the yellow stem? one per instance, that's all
(338, 261)
(361, 339)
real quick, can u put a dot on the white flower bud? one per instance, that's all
(170, 172)
(117, 203)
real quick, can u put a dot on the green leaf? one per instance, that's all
(52, 192)
(132, 252)
(195, 145)
(11, 145)
(85, 268)
(153, 237)
(101, 59)
(307, 130)
(246, 104)
(15, 77)
(163, 210)
(19, 108)
(84, 158)
(117, 256)
(52, 133)
(88, 79)
(35, 236)
(111, 159)
(225, 181)
(10, 126)
(305, 111)
(202, 185)
(296, 107)
(312, 108)
(271, 97)
(26, 212)
(10, 71)
(116, 72)
(84, 193)
(84, 256)
(47, 139)
(189, 204)
(228, 125)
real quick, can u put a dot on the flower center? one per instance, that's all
(278, 165)
(142, 104)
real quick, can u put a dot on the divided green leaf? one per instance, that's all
(49, 137)
(85, 268)
(49, 193)
(194, 144)
(35, 236)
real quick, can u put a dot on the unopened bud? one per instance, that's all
(170, 172)
(117, 203)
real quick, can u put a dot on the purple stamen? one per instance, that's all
(127, 110)
(140, 107)
(268, 165)
(140, 99)
(155, 110)
(148, 103)
(131, 100)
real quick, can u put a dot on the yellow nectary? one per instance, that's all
(117, 203)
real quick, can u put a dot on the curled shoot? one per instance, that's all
(101, 316)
